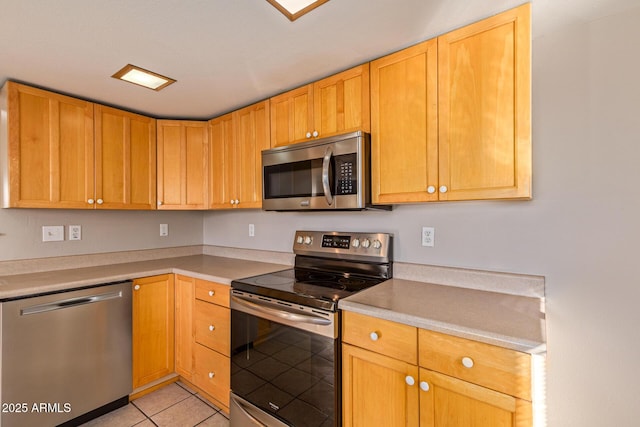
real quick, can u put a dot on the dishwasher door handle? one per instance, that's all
(67, 303)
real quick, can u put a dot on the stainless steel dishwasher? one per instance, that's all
(65, 355)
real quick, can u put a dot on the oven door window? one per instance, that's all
(287, 372)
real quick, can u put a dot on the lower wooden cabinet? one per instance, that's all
(374, 390)
(466, 384)
(153, 328)
(202, 344)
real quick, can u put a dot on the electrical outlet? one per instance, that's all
(53, 233)
(252, 230)
(164, 230)
(428, 236)
(75, 232)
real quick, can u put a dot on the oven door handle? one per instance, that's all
(281, 313)
(240, 405)
(326, 162)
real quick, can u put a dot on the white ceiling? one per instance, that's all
(228, 53)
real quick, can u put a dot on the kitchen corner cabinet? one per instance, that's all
(182, 164)
(125, 159)
(235, 158)
(430, 379)
(451, 116)
(153, 328)
(184, 331)
(336, 104)
(49, 149)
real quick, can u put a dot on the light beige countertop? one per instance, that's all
(214, 268)
(511, 321)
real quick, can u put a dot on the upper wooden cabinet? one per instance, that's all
(47, 144)
(67, 153)
(451, 116)
(182, 164)
(404, 125)
(336, 104)
(125, 159)
(235, 159)
(484, 97)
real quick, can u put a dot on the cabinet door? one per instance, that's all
(404, 125)
(221, 154)
(125, 160)
(49, 149)
(153, 328)
(485, 108)
(449, 402)
(341, 102)
(184, 329)
(292, 116)
(375, 391)
(251, 137)
(182, 164)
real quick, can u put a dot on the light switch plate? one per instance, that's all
(52, 233)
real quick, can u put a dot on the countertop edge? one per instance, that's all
(480, 335)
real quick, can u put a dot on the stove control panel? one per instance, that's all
(375, 247)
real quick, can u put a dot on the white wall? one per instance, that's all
(102, 231)
(580, 231)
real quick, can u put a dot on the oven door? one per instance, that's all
(284, 363)
(317, 175)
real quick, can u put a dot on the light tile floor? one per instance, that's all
(174, 405)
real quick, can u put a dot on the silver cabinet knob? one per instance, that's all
(443, 189)
(374, 336)
(467, 362)
(409, 380)
(91, 201)
(308, 135)
(232, 201)
(431, 189)
(212, 328)
(136, 287)
(237, 201)
(99, 201)
(315, 133)
(159, 203)
(424, 386)
(212, 374)
(212, 293)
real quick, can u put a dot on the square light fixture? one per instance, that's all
(294, 9)
(140, 76)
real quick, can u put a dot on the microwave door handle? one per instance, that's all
(326, 162)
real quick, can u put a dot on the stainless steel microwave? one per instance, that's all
(331, 173)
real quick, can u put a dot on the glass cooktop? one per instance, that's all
(321, 289)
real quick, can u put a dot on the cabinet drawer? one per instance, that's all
(381, 336)
(212, 373)
(212, 292)
(497, 368)
(212, 326)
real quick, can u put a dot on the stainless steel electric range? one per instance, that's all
(285, 329)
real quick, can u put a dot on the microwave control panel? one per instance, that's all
(346, 174)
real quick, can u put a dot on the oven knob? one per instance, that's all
(299, 240)
(377, 244)
(366, 243)
(356, 243)
(307, 240)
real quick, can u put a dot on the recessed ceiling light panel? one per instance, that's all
(294, 9)
(140, 76)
